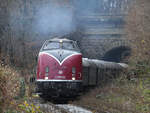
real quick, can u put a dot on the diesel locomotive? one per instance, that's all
(59, 68)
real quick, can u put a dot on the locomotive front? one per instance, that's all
(59, 70)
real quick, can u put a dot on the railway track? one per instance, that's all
(57, 106)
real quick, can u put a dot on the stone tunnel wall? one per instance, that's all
(101, 32)
(97, 47)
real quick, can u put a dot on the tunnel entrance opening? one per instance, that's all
(118, 54)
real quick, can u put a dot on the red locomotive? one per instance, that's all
(59, 69)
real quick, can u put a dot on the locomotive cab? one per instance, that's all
(59, 69)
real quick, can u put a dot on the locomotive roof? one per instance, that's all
(59, 39)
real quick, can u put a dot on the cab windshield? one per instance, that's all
(70, 45)
(52, 45)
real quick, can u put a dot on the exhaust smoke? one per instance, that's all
(54, 20)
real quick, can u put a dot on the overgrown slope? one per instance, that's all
(129, 93)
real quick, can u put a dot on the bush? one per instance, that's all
(9, 86)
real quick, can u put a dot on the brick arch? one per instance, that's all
(118, 53)
(117, 43)
(96, 48)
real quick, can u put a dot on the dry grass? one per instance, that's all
(120, 96)
(16, 97)
(133, 95)
(138, 29)
(9, 86)
(12, 93)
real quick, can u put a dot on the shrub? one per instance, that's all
(9, 86)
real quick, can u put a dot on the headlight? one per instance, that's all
(46, 78)
(73, 78)
(73, 70)
(73, 73)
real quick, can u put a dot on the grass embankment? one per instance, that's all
(119, 96)
(131, 92)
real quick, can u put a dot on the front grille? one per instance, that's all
(59, 85)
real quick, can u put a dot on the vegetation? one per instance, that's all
(19, 46)
(12, 93)
(120, 96)
(130, 93)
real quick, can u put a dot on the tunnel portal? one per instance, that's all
(118, 54)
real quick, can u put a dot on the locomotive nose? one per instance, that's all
(60, 54)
